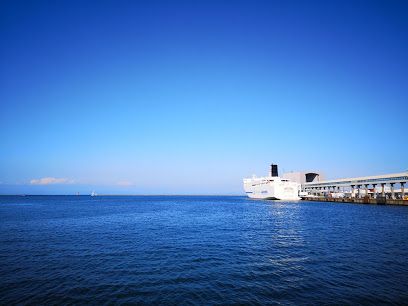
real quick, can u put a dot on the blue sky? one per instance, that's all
(189, 97)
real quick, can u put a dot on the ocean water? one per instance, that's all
(200, 250)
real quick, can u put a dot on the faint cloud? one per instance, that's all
(124, 183)
(50, 180)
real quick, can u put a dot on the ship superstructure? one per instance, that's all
(272, 187)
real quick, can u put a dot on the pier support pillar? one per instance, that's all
(392, 191)
(358, 191)
(382, 190)
(352, 191)
(366, 189)
(374, 191)
(402, 190)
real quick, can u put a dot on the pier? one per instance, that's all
(365, 200)
(379, 189)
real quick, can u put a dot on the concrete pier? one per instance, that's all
(365, 200)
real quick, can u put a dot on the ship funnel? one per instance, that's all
(274, 170)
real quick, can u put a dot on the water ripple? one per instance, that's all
(200, 250)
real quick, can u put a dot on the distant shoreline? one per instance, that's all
(123, 195)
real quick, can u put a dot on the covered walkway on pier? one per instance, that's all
(361, 186)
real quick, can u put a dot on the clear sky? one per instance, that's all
(189, 97)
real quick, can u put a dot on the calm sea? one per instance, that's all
(200, 250)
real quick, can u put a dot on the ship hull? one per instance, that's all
(271, 189)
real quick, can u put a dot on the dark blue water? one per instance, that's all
(200, 250)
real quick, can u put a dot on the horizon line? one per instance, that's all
(127, 195)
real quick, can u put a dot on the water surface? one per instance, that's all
(200, 250)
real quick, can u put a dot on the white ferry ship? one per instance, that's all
(272, 187)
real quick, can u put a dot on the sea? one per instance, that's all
(200, 250)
